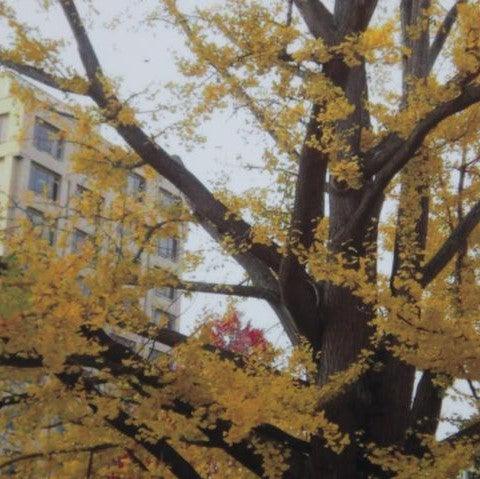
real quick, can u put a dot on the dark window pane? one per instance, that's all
(44, 182)
(47, 138)
(167, 248)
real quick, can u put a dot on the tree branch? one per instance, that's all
(136, 459)
(114, 355)
(43, 77)
(451, 246)
(403, 154)
(470, 432)
(227, 289)
(308, 209)
(241, 93)
(85, 48)
(257, 259)
(442, 35)
(202, 202)
(353, 16)
(242, 451)
(162, 450)
(318, 19)
(20, 361)
(425, 411)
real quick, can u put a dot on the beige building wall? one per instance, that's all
(18, 155)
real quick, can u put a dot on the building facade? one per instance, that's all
(36, 175)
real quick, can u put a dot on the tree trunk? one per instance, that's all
(346, 333)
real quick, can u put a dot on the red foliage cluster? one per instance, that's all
(229, 333)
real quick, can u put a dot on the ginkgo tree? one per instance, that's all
(372, 157)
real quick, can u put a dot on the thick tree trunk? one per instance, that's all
(346, 333)
(375, 408)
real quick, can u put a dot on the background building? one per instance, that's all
(36, 177)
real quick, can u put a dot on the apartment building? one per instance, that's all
(36, 175)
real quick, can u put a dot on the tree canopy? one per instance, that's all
(365, 244)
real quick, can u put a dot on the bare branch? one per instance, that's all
(318, 19)
(353, 16)
(402, 154)
(471, 432)
(473, 390)
(451, 246)
(85, 48)
(228, 289)
(43, 77)
(442, 35)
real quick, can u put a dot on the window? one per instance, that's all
(135, 185)
(167, 248)
(78, 238)
(47, 138)
(159, 315)
(166, 292)
(44, 182)
(48, 233)
(166, 198)
(3, 127)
